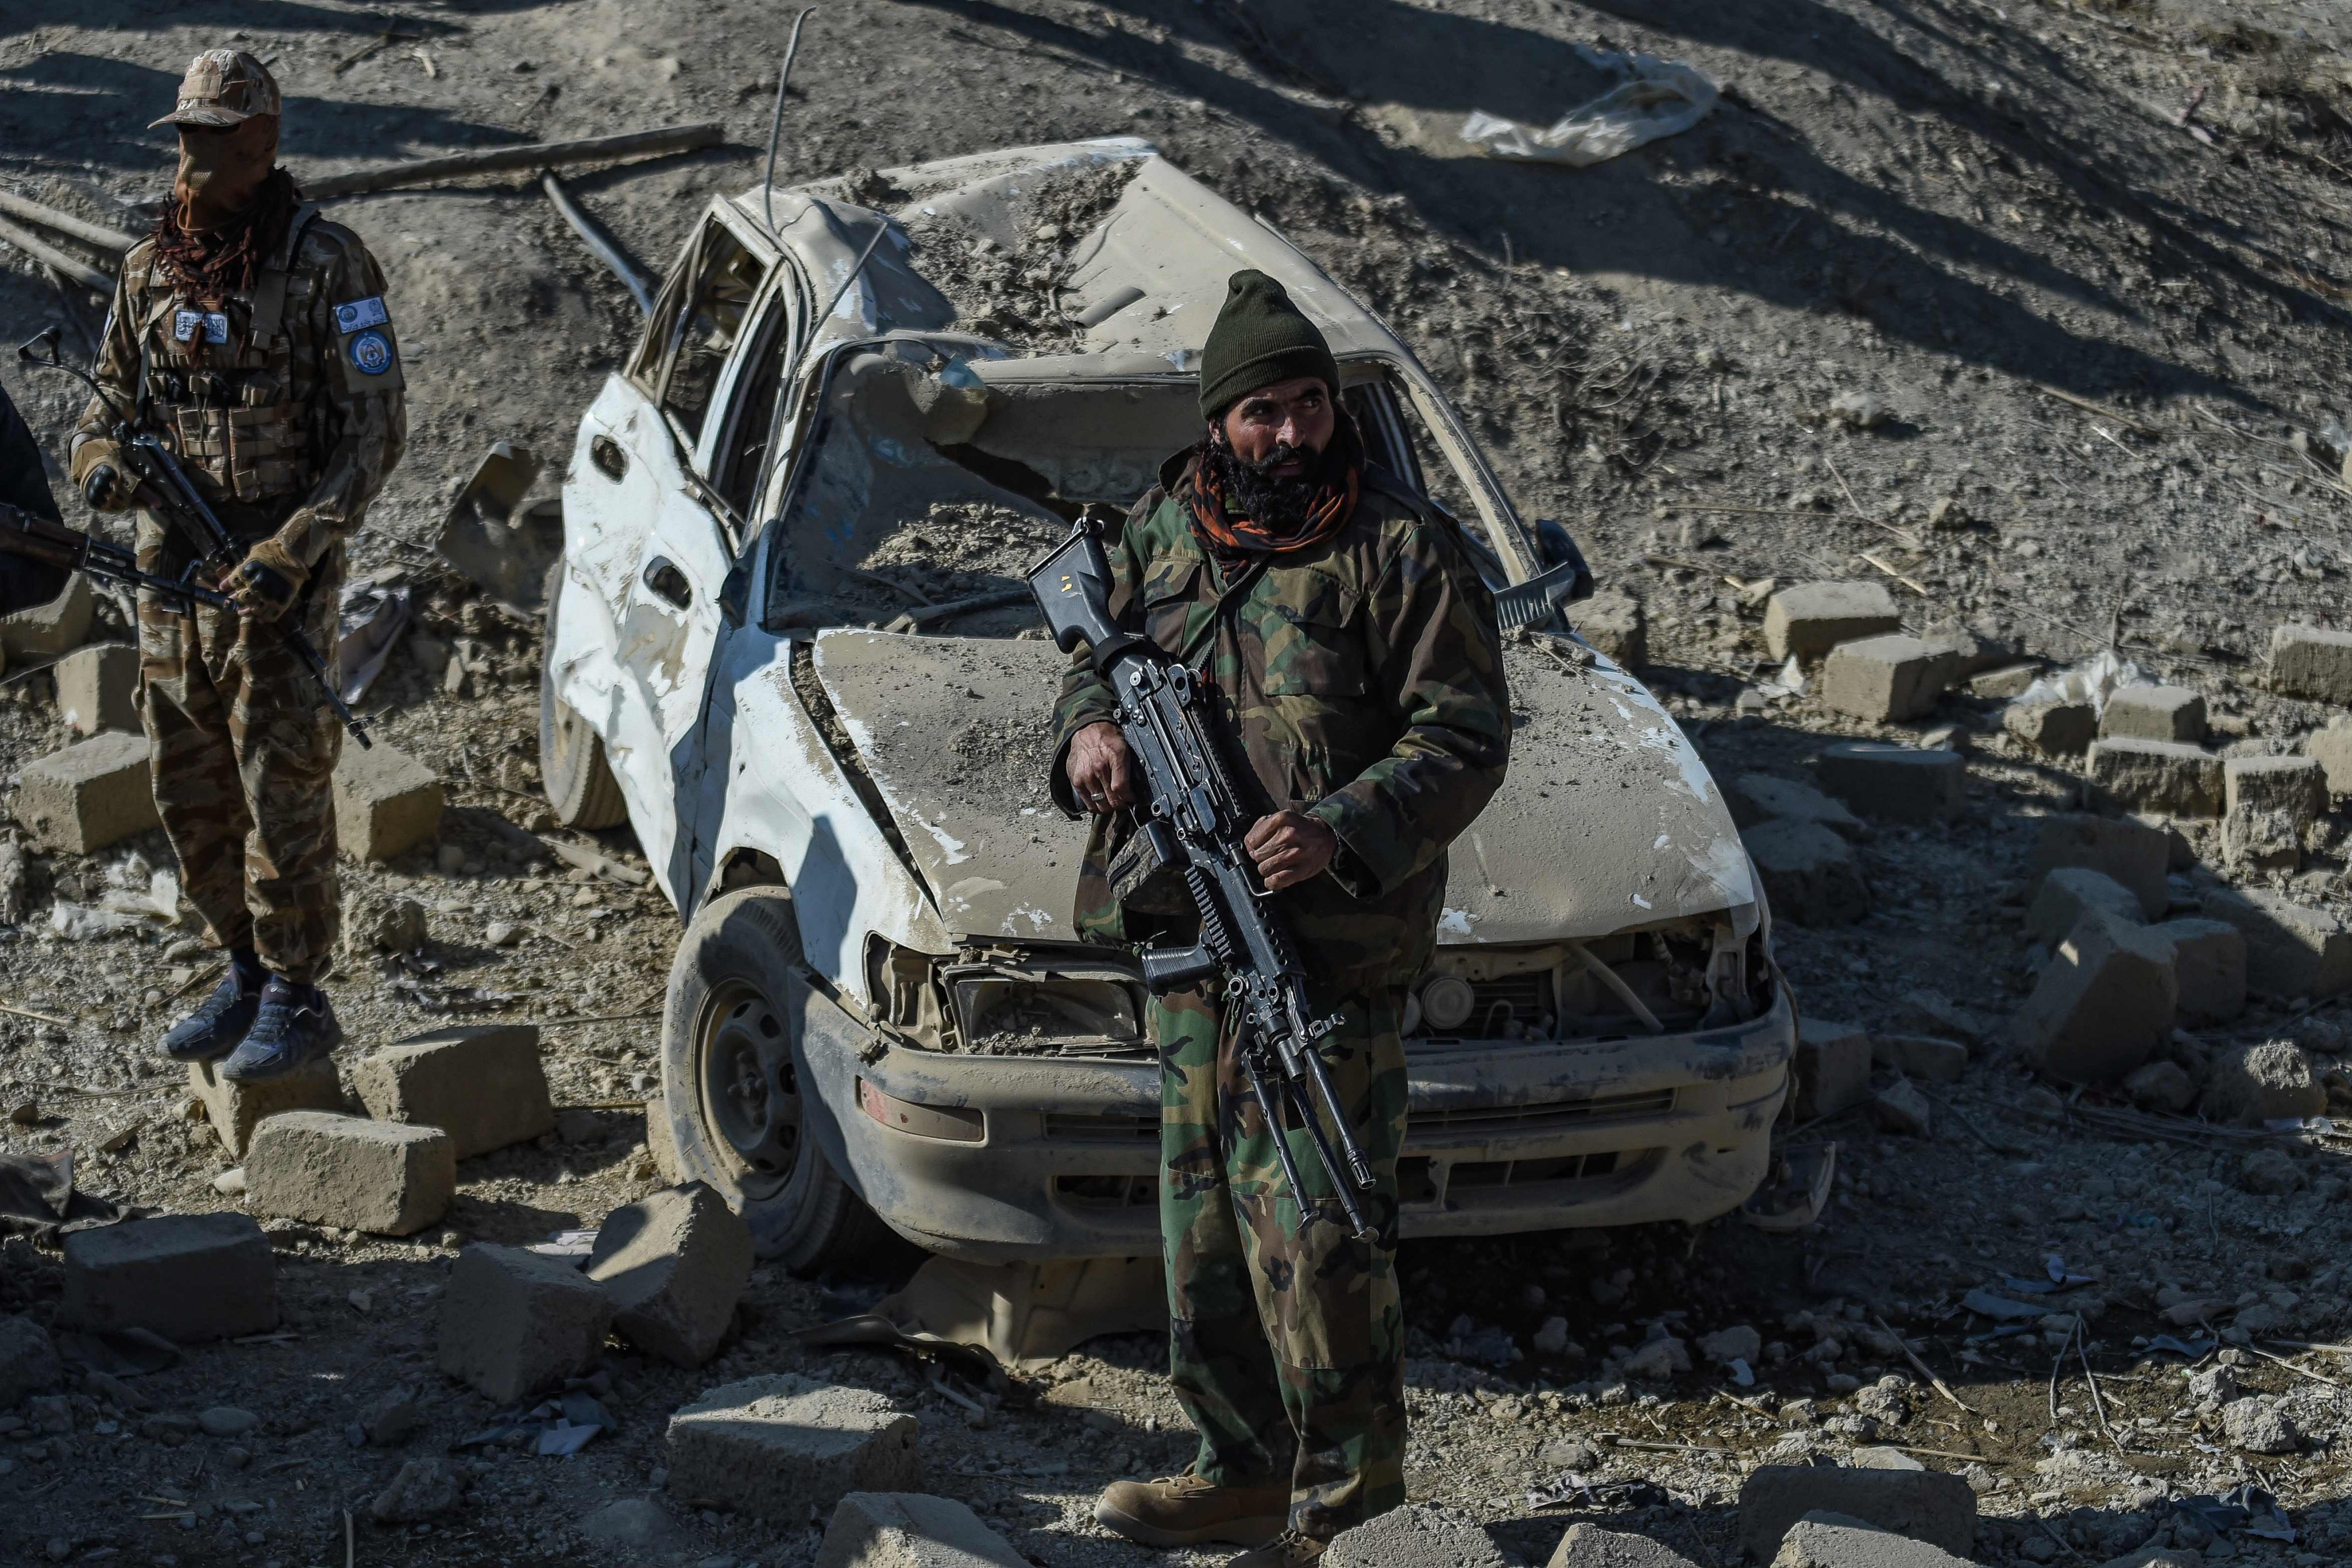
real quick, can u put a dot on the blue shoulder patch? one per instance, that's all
(372, 353)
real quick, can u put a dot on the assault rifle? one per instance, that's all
(161, 487)
(54, 544)
(1194, 826)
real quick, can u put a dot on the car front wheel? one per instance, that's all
(733, 1081)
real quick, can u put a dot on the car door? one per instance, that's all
(673, 419)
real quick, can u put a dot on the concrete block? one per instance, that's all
(1883, 679)
(2160, 1085)
(98, 688)
(1933, 1013)
(1808, 619)
(2311, 662)
(1921, 1056)
(93, 794)
(1418, 1536)
(1809, 873)
(2332, 749)
(1833, 1068)
(2154, 713)
(514, 1322)
(2067, 893)
(2132, 853)
(675, 1264)
(234, 1109)
(1614, 624)
(46, 631)
(482, 1085)
(779, 1446)
(2003, 682)
(2267, 803)
(1760, 797)
(2292, 950)
(385, 801)
(2104, 1004)
(1933, 1506)
(381, 1176)
(2159, 775)
(1589, 1546)
(661, 1141)
(28, 1361)
(912, 1530)
(2249, 1085)
(2209, 963)
(2053, 729)
(1968, 652)
(1893, 783)
(188, 1277)
(1827, 1540)
(1901, 1107)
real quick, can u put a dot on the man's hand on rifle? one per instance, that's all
(1289, 848)
(99, 475)
(1100, 768)
(266, 581)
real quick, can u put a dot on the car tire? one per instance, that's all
(731, 1078)
(580, 785)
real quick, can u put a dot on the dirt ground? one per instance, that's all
(2088, 266)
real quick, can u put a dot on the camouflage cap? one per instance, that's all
(223, 87)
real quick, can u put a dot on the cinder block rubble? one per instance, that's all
(2311, 662)
(1893, 783)
(2268, 803)
(189, 1278)
(1824, 1538)
(2332, 749)
(912, 1530)
(1933, 1506)
(1921, 1056)
(2002, 681)
(779, 1446)
(675, 1264)
(2154, 713)
(98, 688)
(1809, 620)
(483, 1086)
(2208, 962)
(1418, 1536)
(330, 1169)
(1833, 1068)
(2270, 1081)
(1614, 624)
(2292, 950)
(46, 631)
(514, 1322)
(1760, 797)
(2132, 853)
(2067, 893)
(93, 794)
(234, 1109)
(1883, 679)
(386, 802)
(1589, 1546)
(2103, 1005)
(2053, 729)
(1808, 872)
(2157, 775)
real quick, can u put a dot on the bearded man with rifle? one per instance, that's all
(1342, 652)
(250, 341)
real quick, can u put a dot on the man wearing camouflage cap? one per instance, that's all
(1348, 647)
(251, 335)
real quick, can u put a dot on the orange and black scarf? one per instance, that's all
(229, 258)
(1326, 514)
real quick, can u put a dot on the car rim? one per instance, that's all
(750, 1093)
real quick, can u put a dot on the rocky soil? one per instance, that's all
(2036, 312)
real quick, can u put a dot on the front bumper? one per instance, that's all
(1500, 1137)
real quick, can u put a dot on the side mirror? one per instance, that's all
(1558, 548)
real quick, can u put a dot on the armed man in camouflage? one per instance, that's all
(1350, 648)
(251, 335)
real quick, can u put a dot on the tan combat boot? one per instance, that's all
(1288, 1549)
(1185, 1510)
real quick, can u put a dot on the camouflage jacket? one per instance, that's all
(283, 402)
(1364, 682)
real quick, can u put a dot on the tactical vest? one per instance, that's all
(220, 376)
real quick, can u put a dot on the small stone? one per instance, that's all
(2160, 1085)
(2270, 1081)
(1551, 1338)
(227, 1421)
(230, 1184)
(1659, 1359)
(1569, 1454)
(1949, 514)
(1808, 619)
(1728, 1345)
(2157, 775)
(1614, 624)
(1901, 1107)
(422, 1488)
(2260, 1425)
(500, 933)
(1418, 1536)
(2003, 682)
(2272, 1172)
(1880, 1457)
(388, 925)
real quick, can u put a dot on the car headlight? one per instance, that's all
(1032, 1002)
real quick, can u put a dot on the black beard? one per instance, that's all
(1253, 491)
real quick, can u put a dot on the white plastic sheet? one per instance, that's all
(1663, 98)
(2093, 680)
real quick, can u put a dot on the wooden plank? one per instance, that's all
(535, 155)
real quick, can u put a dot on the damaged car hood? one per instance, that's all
(1607, 819)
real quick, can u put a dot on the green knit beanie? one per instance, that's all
(1260, 338)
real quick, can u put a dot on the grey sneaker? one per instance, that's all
(295, 1026)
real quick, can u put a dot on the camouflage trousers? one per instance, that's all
(243, 754)
(1286, 1351)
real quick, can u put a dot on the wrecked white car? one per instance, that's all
(790, 644)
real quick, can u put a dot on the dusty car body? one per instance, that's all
(834, 750)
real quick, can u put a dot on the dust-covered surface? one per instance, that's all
(1945, 208)
(953, 569)
(1013, 295)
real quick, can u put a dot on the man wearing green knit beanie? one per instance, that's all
(1348, 650)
